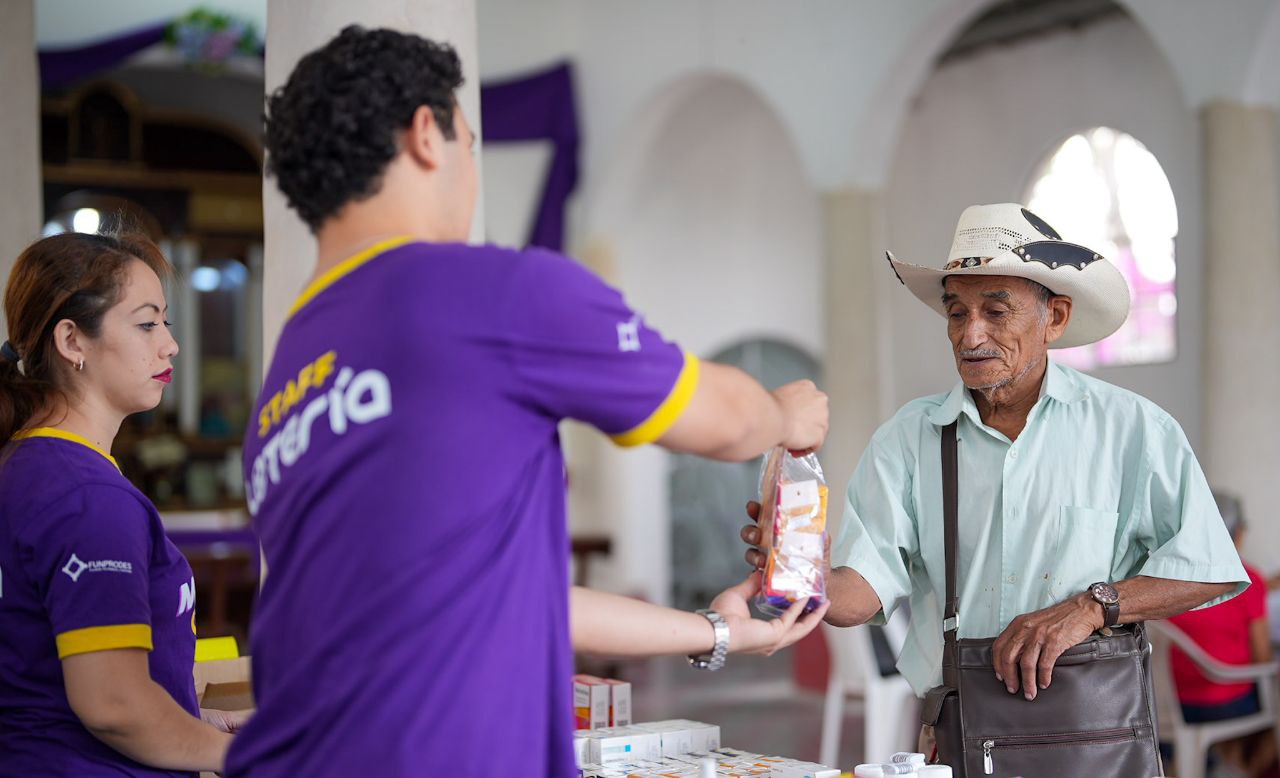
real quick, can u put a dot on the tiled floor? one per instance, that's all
(752, 699)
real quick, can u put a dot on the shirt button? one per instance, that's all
(1013, 453)
(1013, 579)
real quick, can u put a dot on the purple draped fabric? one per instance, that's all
(59, 67)
(539, 107)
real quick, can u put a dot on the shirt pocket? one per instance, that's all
(1085, 550)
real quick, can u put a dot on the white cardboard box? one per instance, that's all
(676, 736)
(624, 744)
(702, 736)
(590, 702)
(619, 703)
(581, 749)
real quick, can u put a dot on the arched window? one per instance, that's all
(1103, 189)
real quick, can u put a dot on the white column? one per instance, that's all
(186, 258)
(853, 232)
(296, 27)
(1242, 324)
(20, 129)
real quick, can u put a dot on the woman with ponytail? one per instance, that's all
(97, 614)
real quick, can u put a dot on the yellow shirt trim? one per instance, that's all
(50, 432)
(333, 274)
(83, 641)
(666, 414)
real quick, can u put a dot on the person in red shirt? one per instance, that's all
(1234, 632)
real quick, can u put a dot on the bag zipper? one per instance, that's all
(1070, 738)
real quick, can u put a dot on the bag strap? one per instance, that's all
(950, 521)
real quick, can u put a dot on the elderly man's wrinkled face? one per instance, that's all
(1000, 328)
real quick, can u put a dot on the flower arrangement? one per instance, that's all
(209, 39)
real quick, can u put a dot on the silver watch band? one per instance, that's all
(714, 660)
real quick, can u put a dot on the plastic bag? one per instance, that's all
(793, 532)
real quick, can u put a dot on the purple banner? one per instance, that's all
(539, 107)
(59, 67)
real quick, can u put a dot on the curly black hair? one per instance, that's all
(330, 131)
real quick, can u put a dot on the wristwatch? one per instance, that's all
(714, 660)
(1106, 595)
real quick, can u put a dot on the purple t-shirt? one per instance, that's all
(404, 472)
(84, 566)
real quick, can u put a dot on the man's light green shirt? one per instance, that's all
(1101, 485)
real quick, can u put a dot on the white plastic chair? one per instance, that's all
(890, 708)
(1191, 742)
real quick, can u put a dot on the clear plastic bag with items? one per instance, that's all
(793, 532)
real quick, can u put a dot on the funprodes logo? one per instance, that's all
(75, 566)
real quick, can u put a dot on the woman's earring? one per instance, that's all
(81, 365)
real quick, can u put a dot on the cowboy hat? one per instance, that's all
(1009, 240)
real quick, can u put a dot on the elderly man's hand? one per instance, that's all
(1025, 652)
(750, 535)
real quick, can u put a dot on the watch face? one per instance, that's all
(1105, 593)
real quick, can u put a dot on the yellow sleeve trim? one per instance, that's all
(341, 269)
(82, 641)
(666, 414)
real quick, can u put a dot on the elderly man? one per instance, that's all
(1081, 505)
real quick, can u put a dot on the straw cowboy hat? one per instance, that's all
(1009, 240)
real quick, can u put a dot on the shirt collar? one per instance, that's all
(1060, 384)
(950, 409)
(52, 432)
(1063, 384)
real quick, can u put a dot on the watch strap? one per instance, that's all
(714, 660)
(1110, 610)
(1110, 614)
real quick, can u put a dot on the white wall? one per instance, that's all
(716, 232)
(820, 68)
(839, 73)
(712, 231)
(975, 134)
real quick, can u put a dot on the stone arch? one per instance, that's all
(876, 138)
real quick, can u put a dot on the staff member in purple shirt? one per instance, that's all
(403, 465)
(97, 621)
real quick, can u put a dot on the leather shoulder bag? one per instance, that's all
(1097, 718)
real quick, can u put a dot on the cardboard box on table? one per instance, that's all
(224, 684)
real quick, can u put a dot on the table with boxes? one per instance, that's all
(608, 744)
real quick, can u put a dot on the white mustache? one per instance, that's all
(978, 353)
